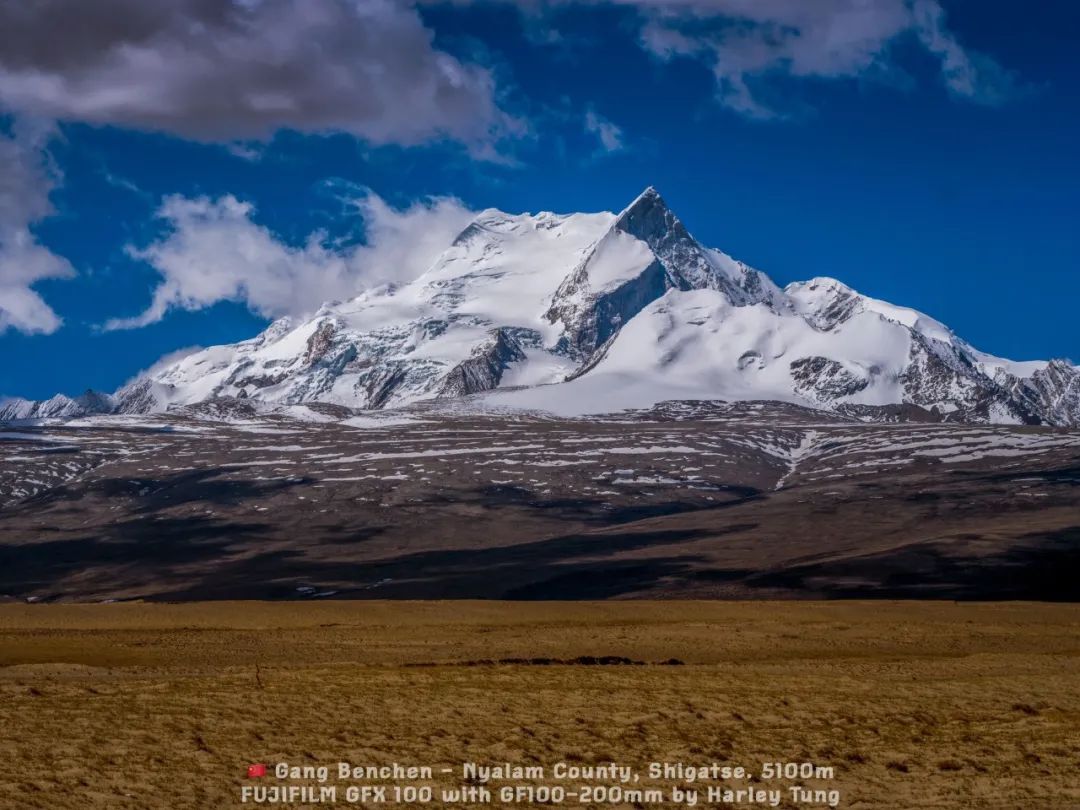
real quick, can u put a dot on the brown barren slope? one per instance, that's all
(731, 501)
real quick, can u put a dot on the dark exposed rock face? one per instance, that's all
(320, 342)
(224, 408)
(1053, 392)
(591, 319)
(137, 397)
(257, 380)
(842, 305)
(888, 413)
(687, 264)
(484, 370)
(248, 375)
(936, 376)
(381, 383)
(684, 262)
(593, 361)
(825, 379)
(650, 220)
(592, 316)
(95, 402)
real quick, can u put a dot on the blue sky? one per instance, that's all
(923, 153)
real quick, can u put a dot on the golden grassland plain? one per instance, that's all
(915, 705)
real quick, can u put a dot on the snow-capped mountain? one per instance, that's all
(586, 313)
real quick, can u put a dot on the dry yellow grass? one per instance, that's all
(916, 705)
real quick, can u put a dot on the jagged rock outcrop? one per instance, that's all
(484, 370)
(57, 407)
(826, 379)
(591, 318)
(1050, 395)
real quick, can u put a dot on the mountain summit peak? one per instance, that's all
(649, 198)
(650, 220)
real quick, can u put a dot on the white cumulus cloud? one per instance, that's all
(215, 251)
(27, 176)
(224, 70)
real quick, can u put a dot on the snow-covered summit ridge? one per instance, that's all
(583, 313)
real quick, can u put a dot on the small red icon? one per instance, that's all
(255, 771)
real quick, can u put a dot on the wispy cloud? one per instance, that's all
(745, 42)
(968, 74)
(609, 134)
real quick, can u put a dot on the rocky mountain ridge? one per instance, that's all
(591, 313)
